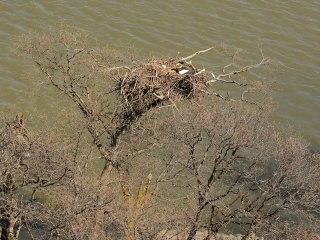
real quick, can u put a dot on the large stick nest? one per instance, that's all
(159, 82)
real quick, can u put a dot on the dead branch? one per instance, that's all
(196, 53)
(108, 69)
(221, 77)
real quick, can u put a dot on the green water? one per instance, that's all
(288, 30)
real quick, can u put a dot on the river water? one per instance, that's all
(289, 32)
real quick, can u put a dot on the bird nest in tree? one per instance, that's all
(159, 82)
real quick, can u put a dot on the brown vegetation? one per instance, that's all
(181, 160)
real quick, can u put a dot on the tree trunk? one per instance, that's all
(7, 229)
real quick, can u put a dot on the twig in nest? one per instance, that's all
(173, 103)
(161, 97)
(195, 54)
(201, 71)
(122, 83)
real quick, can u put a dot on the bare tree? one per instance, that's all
(240, 171)
(28, 166)
(178, 153)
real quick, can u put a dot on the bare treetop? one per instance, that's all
(160, 150)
